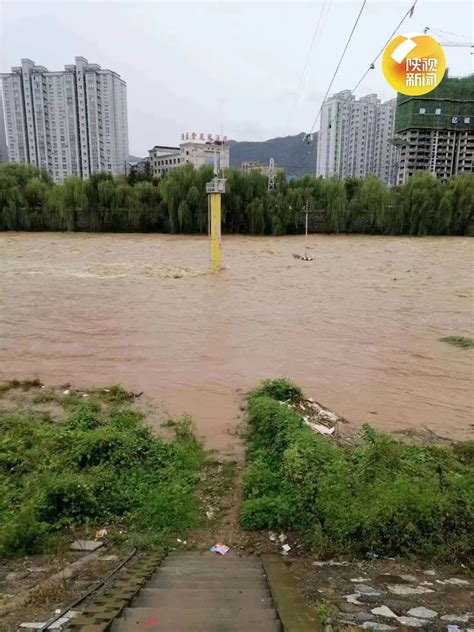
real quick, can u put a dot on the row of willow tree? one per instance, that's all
(177, 203)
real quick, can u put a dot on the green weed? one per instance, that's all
(459, 341)
(116, 394)
(45, 397)
(25, 385)
(281, 389)
(326, 611)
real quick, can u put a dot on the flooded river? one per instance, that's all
(358, 327)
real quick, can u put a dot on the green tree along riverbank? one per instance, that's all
(177, 203)
(379, 496)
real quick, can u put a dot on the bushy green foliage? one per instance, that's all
(99, 466)
(85, 416)
(280, 388)
(382, 496)
(177, 203)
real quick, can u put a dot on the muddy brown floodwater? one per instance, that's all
(358, 327)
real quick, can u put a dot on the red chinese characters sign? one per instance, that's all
(208, 138)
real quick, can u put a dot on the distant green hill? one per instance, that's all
(289, 152)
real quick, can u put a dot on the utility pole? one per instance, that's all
(271, 175)
(306, 232)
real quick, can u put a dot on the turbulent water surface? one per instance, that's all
(358, 327)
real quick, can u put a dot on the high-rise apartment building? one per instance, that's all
(436, 131)
(354, 137)
(3, 135)
(70, 122)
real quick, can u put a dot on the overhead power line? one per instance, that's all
(339, 63)
(409, 13)
(324, 8)
(372, 65)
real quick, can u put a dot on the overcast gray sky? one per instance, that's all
(194, 66)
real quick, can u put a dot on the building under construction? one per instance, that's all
(435, 132)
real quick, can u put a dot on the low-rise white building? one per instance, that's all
(163, 158)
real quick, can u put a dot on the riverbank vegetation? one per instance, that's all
(93, 464)
(381, 497)
(177, 203)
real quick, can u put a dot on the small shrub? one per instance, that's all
(280, 389)
(271, 426)
(21, 533)
(65, 499)
(167, 508)
(260, 479)
(85, 416)
(116, 393)
(267, 512)
(125, 419)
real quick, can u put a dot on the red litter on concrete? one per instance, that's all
(220, 548)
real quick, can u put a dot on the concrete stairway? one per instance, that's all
(203, 592)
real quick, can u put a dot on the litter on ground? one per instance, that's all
(101, 534)
(220, 548)
(320, 428)
(86, 545)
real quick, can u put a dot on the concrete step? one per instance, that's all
(211, 570)
(212, 558)
(217, 619)
(194, 626)
(210, 583)
(201, 597)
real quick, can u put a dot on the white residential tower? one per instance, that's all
(69, 122)
(354, 137)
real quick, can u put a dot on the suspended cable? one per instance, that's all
(372, 65)
(316, 31)
(339, 64)
(409, 13)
